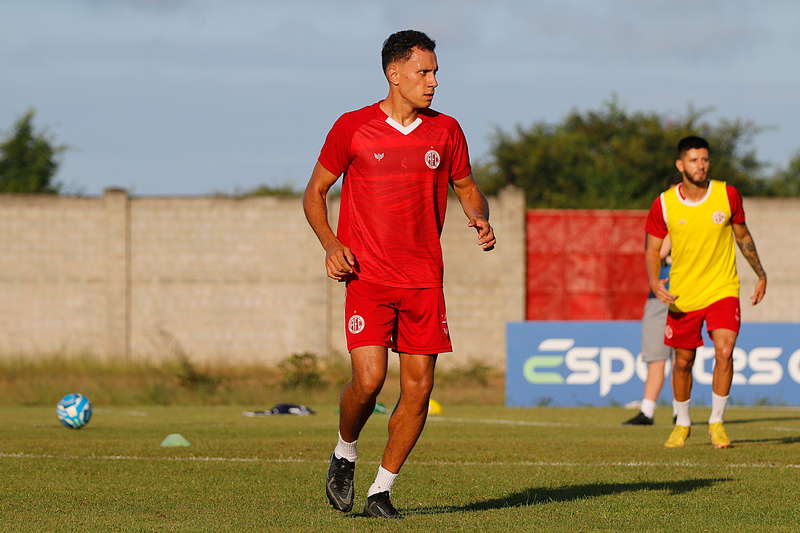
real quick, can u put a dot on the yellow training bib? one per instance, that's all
(703, 253)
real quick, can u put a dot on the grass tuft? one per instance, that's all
(302, 371)
(301, 378)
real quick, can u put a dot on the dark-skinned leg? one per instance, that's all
(681, 390)
(405, 427)
(355, 406)
(682, 374)
(724, 342)
(358, 398)
(408, 418)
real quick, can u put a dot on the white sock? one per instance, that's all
(674, 407)
(718, 404)
(383, 482)
(346, 450)
(682, 409)
(648, 408)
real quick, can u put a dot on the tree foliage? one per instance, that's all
(612, 159)
(786, 182)
(29, 159)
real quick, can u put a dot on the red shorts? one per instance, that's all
(684, 330)
(410, 321)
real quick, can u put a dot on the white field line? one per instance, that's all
(550, 424)
(136, 458)
(620, 464)
(502, 422)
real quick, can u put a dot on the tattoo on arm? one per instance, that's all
(748, 248)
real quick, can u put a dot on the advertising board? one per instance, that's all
(599, 363)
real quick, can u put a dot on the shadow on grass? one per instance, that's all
(773, 419)
(541, 496)
(776, 440)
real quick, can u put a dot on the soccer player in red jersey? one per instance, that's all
(703, 218)
(398, 158)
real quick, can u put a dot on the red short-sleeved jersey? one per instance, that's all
(394, 193)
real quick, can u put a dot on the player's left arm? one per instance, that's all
(477, 210)
(748, 247)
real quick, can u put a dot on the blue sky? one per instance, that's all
(190, 97)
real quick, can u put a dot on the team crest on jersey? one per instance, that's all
(355, 324)
(432, 159)
(379, 156)
(668, 332)
(718, 217)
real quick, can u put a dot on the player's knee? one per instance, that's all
(684, 365)
(724, 359)
(421, 386)
(367, 386)
(724, 352)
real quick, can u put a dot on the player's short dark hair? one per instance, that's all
(399, 46)
(690, 143)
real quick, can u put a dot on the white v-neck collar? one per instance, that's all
(686, 201)
(405, 130)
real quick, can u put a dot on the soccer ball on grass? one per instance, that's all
(74, 410)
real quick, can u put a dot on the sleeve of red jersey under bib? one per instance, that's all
(460, 167)
(656, 225)
(735, 201)
(335, 153)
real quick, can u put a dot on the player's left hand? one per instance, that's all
(761, 290)
(486, 239)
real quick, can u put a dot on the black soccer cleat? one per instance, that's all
(379, 506)
(339, 486)
(639, 420)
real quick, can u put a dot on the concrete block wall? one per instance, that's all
(224, 279)
(243, 280)
(53, 273)
(217, 279)
(775, 226)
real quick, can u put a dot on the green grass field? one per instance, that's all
(476, 468)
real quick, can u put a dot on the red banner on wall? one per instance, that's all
(585, 264)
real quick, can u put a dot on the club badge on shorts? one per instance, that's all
(355, 324)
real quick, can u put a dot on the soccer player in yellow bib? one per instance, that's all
(703, 218)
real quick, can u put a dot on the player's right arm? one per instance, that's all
(666, 248)
(653, 260)
(339, 260)
(657, 233)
